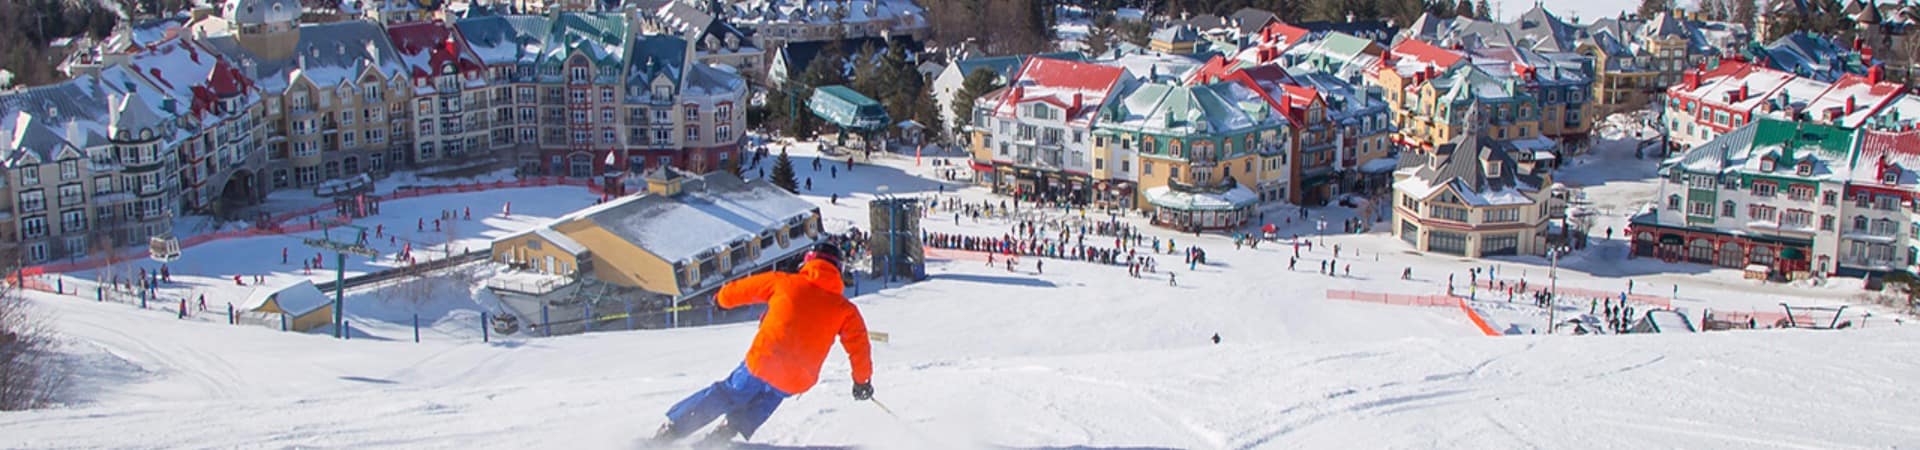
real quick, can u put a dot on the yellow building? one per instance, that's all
(682, 239)
(299, 306)
(1472, 197)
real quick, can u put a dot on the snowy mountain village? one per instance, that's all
(1026, 224)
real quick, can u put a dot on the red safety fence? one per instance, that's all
(1391, 299)
(278, 223)
(953, 254)
(1474, 316)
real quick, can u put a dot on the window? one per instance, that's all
(1501, 215)
(1726, 208)
(1764, 189)
(1673, 202)
(722, 132)
(1886, 202)
(606, 136)
(693, 133)
(69, 169)
(660, 116)
(606, 115)
(426, 150)
(1700, 181)
(33, 227)
(1826, 223)
(606, 95)
(32, 201)
(1761, 212)
(577, 74)
(1828, 198)
(662, 136)
(1125, 165)
(691, 113)
(723, 112)
(1795, 218)
(1800, 192)
(1859, 224)
(1805, 168)
(1766, 164)
(71, 194)
(576, 96)
(578, 116)
(1702, 209)
(1147, 168)
(30, 175)
(73, 220)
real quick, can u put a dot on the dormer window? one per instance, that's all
(1891, 176)
(1766, 164)
(1805, 168)
(1493, 169)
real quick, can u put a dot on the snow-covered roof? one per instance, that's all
(1223, 108)
(296, 299)
(712, 212)
(505, 39)
(1190, 199)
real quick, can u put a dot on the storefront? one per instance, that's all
(1189, 208)
(1113, 193)
(1784, 255)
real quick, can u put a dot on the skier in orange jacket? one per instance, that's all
(805, 311)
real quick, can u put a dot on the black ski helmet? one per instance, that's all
(825, 251)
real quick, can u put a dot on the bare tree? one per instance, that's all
(30, 376)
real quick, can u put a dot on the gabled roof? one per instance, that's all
(601, 37)
(654, 56)
(1882, 150)
(1413, 55)
(295, 299)
(1176, 33)
(505, 39)
(711, 212)
(1462, 169)
(427, 47)
(1176, 109)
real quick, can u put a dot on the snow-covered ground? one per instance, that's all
(1080, 356)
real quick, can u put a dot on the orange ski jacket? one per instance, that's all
(805, 311)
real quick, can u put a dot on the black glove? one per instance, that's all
(863, 391)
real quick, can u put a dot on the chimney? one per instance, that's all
(1692, 79)
(1743, 93)
(1077, 105)
(73, 134)
(1875, 74)
(1850, 105)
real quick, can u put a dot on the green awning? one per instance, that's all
(1671, 239)
(1793, 253)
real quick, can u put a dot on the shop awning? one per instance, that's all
(1671, 239)
(981, 167)
(1794, 253)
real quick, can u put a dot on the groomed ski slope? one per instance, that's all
(1082, 356)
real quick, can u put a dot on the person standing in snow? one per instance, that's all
(805, 311)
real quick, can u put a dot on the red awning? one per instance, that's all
(980, 167)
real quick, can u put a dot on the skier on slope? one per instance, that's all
(805, 311)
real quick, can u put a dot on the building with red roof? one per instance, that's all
(1036, 133)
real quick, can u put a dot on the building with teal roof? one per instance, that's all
(1198, 150)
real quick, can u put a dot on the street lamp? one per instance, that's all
(1553, 284)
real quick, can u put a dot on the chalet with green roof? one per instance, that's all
(1198, 148)
(1769, 194)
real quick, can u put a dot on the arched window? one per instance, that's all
(1860, 223)
(1673, 202)
(1726, 208)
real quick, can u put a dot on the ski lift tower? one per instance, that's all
(895, 241)
(340, 250)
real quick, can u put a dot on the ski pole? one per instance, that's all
(883, 407)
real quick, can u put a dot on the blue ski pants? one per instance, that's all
(745, 399)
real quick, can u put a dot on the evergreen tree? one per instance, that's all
(1464, 9)
(978, 83)
(1486, 12)
(783, 173)
(1650, 8)
(1098, 41)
